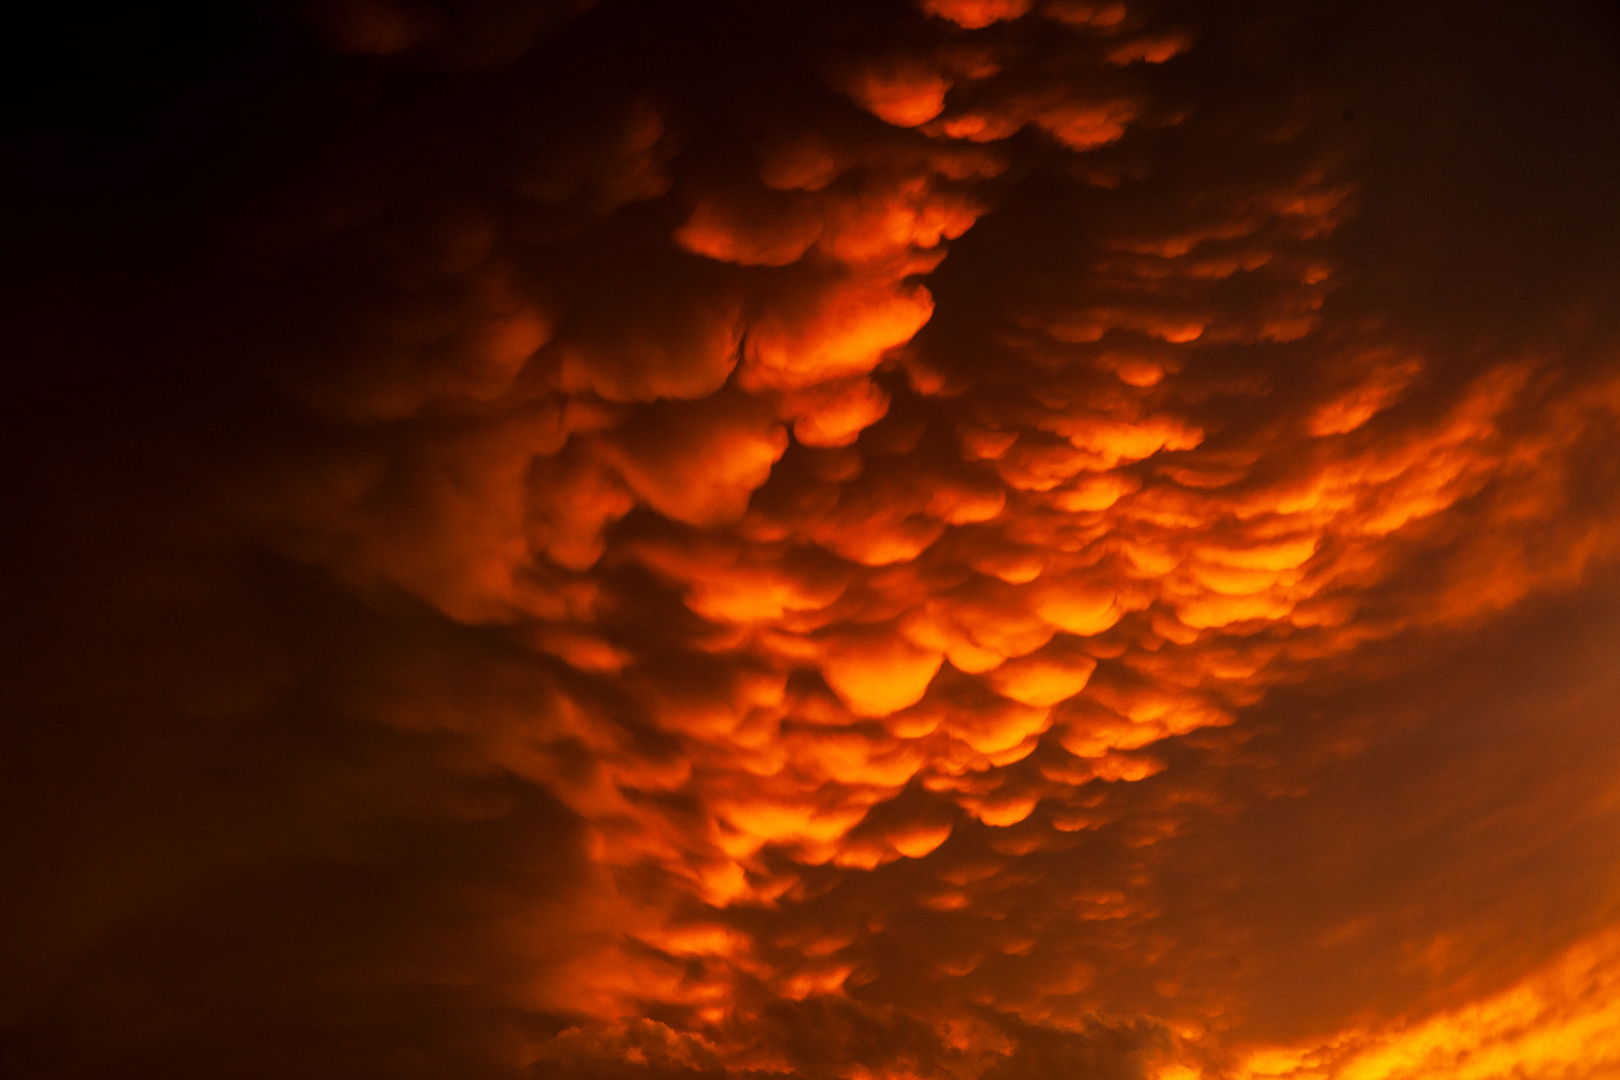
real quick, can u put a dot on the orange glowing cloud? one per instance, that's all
(1562, 1021)
(900, 92)
(974, 14)
(966, 541)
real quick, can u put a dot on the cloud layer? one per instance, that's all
(975, 539)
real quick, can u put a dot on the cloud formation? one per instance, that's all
(967, 540)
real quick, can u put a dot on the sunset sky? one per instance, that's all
(812, 540)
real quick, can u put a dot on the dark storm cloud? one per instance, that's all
(979, 539)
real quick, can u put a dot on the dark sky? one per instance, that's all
(958, 540)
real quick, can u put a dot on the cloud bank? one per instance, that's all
(974, 539)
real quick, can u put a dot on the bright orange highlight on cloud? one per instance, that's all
(1563, 1021)
(904, 601)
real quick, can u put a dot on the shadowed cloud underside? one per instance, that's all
(972, 539)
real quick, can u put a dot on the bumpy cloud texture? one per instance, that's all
(974, 539)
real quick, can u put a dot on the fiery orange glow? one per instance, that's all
(946, 540)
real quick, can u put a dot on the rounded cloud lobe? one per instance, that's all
(976, 539)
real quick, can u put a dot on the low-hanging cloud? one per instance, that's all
(961, 539)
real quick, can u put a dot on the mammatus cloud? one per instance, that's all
(876, 541)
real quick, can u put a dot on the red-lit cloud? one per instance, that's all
(946, 547)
